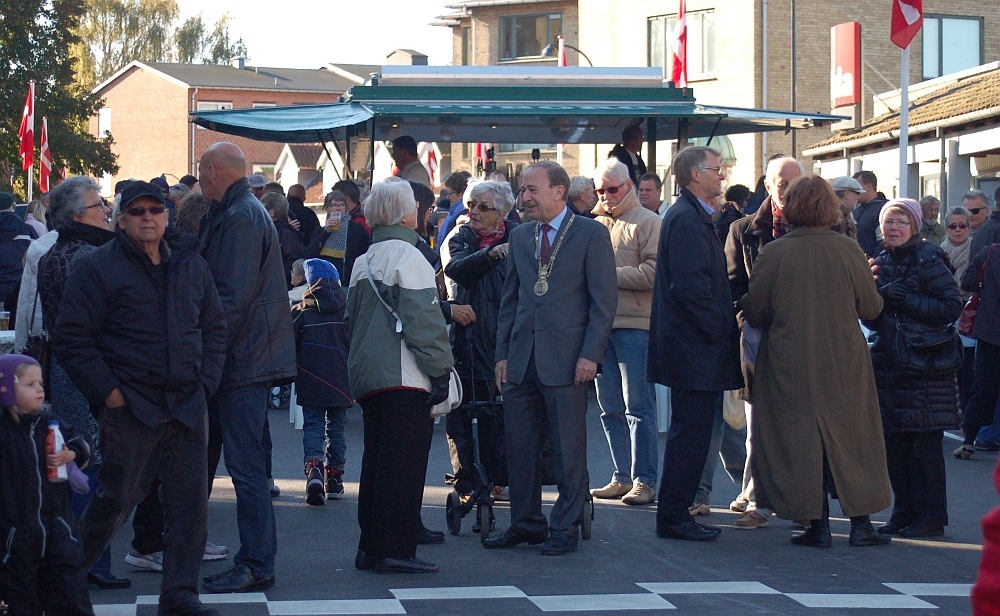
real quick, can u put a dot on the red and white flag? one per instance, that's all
(44, 159)
(432, 161)
(678, 49)
(907, 18)
(27, 131)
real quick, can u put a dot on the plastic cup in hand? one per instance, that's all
(333, 220)
(4, 320)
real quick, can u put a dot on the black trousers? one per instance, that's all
(398, 430)
(693, 415)
(147, 522)
(916, 472)
(134, 454)
(985, 387)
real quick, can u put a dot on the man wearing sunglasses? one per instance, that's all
(985, 227)
(142, 334)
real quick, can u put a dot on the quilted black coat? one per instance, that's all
(919, 289)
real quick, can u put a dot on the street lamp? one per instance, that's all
(551, 50)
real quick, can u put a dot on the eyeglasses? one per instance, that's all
(958, 225)
(103, 203)
(139, 212)
(333, 204)
(611, 190)
(975, 210)
(479, 205)
(715, 169)
(896, 224)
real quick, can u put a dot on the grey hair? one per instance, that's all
(299, 268)
(958, 211)
(689, 159)
(499, 193)
(67, 200)
(277, 202)
(977, 194)
(579, 185)
(774, 169)
(467, 193)
(929, 199)
(612, 169)
(390, 201)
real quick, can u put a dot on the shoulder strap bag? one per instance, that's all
(968, 318)
(455, 392)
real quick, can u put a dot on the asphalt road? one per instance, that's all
(623, 567)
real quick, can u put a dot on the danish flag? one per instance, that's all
(678, 49)
(45, 159)
(27, 131)
(907, 18)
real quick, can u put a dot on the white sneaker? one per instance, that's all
(641, 494)
(700, 509)
(215, 552)
(152, 561)
(739, 506)
(614, 489)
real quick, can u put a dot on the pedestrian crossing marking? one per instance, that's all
(595, 603)
(341, 606)
(859, 601)
(714, 588)
(459, 592)
(932, 590)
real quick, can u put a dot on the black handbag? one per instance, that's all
(927, 352)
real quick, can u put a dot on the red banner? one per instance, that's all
(845, 64)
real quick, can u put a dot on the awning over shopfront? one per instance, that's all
(503, 114)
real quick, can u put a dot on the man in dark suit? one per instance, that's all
(693, 338)
(628, 152)
(552, 333)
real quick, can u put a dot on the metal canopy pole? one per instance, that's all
(328, 156)
(651, 139)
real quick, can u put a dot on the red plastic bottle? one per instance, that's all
(54, 444)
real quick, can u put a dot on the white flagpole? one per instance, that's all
(904, 121)
(559, 62)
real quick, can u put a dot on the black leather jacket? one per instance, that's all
(242, 250)
(920, 294)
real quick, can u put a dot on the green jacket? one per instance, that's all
(382, 358)
(932, 232)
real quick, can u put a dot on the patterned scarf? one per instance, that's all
(487, 239)
(780, 226)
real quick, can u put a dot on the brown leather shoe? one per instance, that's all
(640, 494)
(615, 489)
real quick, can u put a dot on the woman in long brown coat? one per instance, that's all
(814, 397)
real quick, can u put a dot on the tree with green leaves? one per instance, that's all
(35, 41)
(195, 43)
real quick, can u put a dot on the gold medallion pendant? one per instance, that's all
(541, 287)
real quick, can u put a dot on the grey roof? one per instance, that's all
(254, 78)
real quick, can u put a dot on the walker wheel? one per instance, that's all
(485, 517)
(588, 517)
(453, 511)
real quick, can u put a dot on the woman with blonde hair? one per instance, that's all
(815, 407)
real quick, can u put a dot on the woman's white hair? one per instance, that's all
(611, 169)
(390, 201)
(499, 194)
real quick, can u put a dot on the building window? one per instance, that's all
(266, 170)
(951, 44)
(466, 46)
(507, 148)
(261, 105)
(206, 106)
(700, 43)
(524, 36)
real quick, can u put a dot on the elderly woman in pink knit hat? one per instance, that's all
(916, 355)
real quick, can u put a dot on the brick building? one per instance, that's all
(739, 53)
(509, 33)
(147, 104)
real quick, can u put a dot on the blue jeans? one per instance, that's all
(79, 503)
(241, 412)
(991, 433)
(628, 412)
(728, 444)
(323, 431)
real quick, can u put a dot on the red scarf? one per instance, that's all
(489, 238)
(780, 226)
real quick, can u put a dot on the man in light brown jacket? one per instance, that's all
(627, 408)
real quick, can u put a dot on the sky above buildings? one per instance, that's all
(308, 33)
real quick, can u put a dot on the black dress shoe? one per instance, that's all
(922, 529)
(816, 536)
(865, 534)
(108, 581)
(189, 609)
(689, 530)
(364, 562)
(430, 537)
(405, 565)
(559, 542)
(512, 536)
(238, 579)
(894, 525)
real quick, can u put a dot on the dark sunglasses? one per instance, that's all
(976, 210)
(479, 205)
(139, 212)
(958, 225)
(611, 190)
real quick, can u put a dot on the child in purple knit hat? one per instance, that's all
(40, 569)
